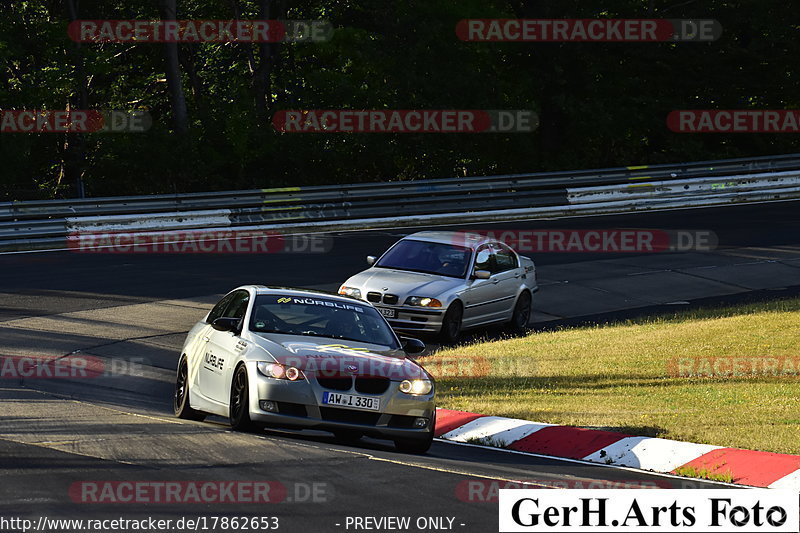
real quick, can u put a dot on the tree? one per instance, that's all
(172, 69)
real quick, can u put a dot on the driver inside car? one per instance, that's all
(343, 325)
(452, 262)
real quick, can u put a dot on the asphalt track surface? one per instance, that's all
(135, 309)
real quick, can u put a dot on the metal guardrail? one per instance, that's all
(45, 224)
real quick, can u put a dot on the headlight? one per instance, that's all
(416, 386)
(350, 291)
(278, 371)
(422, 301)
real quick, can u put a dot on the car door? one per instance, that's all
(506, 278)
(197, 349)
(220, 351)
(480, 301)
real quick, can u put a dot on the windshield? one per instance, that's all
(428, 257)
(320, 317)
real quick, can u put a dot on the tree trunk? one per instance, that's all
(172, 69)
(261, 77)
(74, 162)
(277, 58)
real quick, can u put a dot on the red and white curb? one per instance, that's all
(755, 469)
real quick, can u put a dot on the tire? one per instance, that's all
(414, 446)
(180, 399)
(239, 407)
(522, 313)
(451, 323)
(348, 435)
(417, 446)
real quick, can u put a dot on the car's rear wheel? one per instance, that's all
(348, 435)
(522, 313)
(451, 323)
(180, 401)
(240, 401)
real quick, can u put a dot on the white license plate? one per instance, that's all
(351, 400)
(388, 313)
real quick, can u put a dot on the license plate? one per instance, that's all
(351, 400)
(388, 313)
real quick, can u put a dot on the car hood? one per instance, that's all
(334, 357)
(402, 283)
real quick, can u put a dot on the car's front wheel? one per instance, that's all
(180, 402)
(240, 401)
(415, 446)
(451, 323)
(348, 436)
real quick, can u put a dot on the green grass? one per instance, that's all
(617, 377)
(704, 473)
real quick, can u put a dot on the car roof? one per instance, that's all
(458, 238)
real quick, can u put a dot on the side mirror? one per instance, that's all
(481, 274)
(371, 260)
(226, 324)
(412, 346)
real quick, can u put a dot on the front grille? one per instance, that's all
(372, 384)
(292, 409)
(374, 297)
(336, 383)
(390, 299)
(401, 421)
(349, 416)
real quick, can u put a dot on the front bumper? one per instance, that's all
(299, 407)
(415, 319)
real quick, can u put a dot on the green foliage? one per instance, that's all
(600, 104)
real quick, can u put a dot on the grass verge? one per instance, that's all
(704, 473)
(727, 376)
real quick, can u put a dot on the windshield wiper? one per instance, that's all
(327, 336)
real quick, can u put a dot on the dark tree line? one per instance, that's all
(600, 104)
